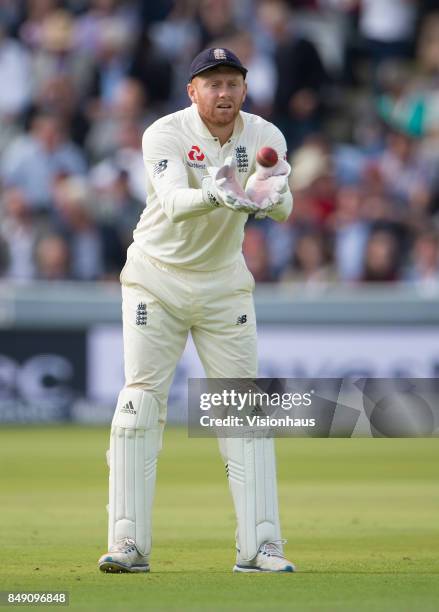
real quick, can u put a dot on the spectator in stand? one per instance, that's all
(15, 76)
(128, 106)
(11, 14)
(153, 69)
(428, 46)
(216, 20)
(428, 77)
(423, 268)
(35, 159)
(59, 97)
(126, 159)
(351, 232)
(91, 24)
(327, 24)
(95, 248)
(52, 258)
(406, 178)
(31, 29)
(4, 256)
(298, 101)
(388, 28)
(117, 206)
(383, 214)
(15, 93)
(313, 173)
(19, 232)
(57, 55)
(382, 260)
(177, 38)
(310, 263)
(113, 57)
(400, 103)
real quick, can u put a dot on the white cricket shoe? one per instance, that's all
(270, 558)
(123, 557)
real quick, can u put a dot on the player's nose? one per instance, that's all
(225, 96)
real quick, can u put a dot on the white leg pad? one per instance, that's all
(251, 470)
(134, 446)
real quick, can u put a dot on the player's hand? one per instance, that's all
(267, 185)
(221, 187)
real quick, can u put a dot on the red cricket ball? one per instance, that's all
(267, 157)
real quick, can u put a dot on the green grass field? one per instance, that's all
(361, 518)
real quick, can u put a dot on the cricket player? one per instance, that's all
(185, 272)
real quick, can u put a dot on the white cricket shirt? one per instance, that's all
(177, 227)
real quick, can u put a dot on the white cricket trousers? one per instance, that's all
(162, 303)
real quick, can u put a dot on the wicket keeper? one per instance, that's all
(185, 272)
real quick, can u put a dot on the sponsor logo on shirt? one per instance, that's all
(160, 167)
(195, 153)
(195, 165)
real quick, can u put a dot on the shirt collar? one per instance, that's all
(202, 130)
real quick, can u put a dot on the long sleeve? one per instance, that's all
(168, 177)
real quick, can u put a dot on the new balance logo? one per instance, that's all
(141, 314)
(241, 320)
(160, 167)
(128, 408)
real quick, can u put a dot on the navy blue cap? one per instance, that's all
(210, 58)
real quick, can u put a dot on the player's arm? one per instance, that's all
(168, 175)
(273, 179)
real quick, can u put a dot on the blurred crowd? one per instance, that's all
(353, 85)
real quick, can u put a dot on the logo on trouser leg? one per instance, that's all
(241, 320)
(141, 314)
(128, 408)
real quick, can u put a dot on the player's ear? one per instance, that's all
(245, 92)
(191, 92)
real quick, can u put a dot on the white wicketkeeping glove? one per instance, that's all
(267, 185)
(221, 187)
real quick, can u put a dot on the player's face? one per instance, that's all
(219, 94)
